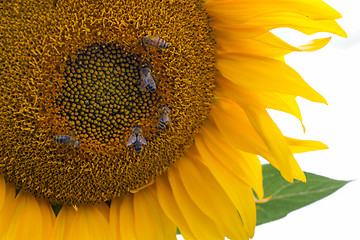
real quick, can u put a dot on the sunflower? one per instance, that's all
(127, 119)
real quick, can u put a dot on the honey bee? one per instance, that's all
(67, 140)
(164, 117)
(146, 80)
(137, 139)
(154, 41)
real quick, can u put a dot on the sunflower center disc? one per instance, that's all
(79, 124)
(101, 97)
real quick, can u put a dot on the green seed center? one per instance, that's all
(101, 98)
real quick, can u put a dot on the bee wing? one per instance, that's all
(131, 140)
(144, 74)
(141, 139)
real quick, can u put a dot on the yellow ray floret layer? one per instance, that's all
(208, 193)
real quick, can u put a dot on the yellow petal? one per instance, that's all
(6, 214)
(193, 215)
(104, 209)
(241, 11)
(2, 192)
(122, 220)
(48, 217)
(127, 215)
(264, 23)
(233, 123)
(272, 137)
(267, 44)
(239, 193)
(266, 74)
(297, 173)
(315, 44)
(244, 166)
(151, 181)
(150, 222)
(63, 223)
(299, 146)
(206, 193)
(89, 223)
(171, 209)
(263, 99)
(276, 143)
(114, 217)
(7, 196)
(27, 219)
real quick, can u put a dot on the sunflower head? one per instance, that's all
(78, 76)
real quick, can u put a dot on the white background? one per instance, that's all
(334, 72)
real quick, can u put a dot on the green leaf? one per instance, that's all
(287, 197)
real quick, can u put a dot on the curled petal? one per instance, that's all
(265, 74)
